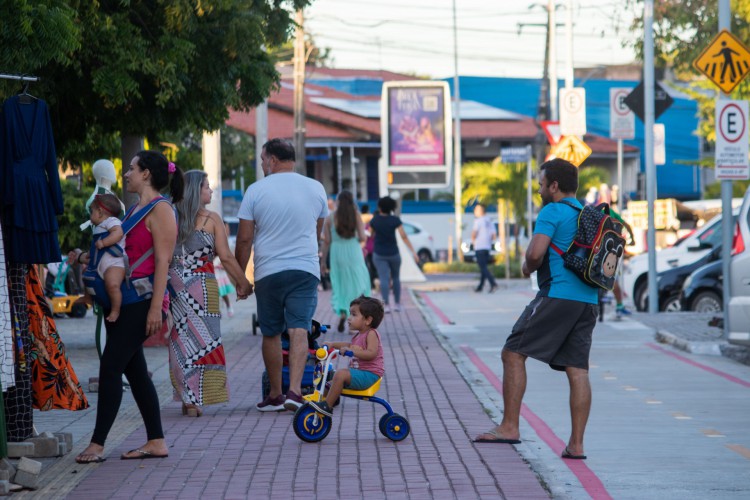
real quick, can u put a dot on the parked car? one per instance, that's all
(670, 282)
(702, 290)
(738, 306)
(468, 248)
(685, 251)
(421, 240)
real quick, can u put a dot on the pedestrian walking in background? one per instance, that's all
(386, 256)
(153, 238)
(482, 236)
(197, 361)
(282, 215)
(325, 277)
(343, 233)
(369, 245)
(557, 326)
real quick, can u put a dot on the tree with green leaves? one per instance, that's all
(489, 182)
(141, 68)
(682, 30)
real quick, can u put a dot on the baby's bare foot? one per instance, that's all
(113, 315)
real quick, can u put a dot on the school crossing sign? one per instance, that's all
(573, 149)
(726, 61)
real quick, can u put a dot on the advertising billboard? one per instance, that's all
(416, 134)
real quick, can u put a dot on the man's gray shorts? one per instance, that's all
(555, 331)
(285, 300)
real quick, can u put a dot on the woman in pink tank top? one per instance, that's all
(149, 173)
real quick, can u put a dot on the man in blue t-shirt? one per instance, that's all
(556, 327)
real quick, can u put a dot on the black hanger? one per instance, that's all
(24, 96)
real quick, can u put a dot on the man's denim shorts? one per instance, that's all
(286, 300)
(361, 379)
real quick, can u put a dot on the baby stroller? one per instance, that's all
(308, 385)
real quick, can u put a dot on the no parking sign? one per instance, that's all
(732, 140)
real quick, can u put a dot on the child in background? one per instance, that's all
(111, 267)
(225, 285)
(366, 367)
(222, 279)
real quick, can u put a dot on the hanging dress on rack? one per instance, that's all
(54, 384)
(29, 183)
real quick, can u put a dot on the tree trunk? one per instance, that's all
(130, 145)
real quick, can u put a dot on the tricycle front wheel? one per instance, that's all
(310, 426)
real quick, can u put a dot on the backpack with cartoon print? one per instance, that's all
(594, 255)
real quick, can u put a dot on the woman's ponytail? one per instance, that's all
(177, 185)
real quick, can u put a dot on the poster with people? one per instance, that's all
(416, 126)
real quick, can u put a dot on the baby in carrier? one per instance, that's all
(109, 239)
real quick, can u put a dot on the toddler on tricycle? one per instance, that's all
(312, 421)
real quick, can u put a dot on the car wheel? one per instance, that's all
(424, 256)
(706, 302)
(640, 296)
(672, 304)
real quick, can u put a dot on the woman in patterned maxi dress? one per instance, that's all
(196, 353)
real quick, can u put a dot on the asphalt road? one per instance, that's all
(664, 423)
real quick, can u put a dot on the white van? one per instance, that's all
(686, 251)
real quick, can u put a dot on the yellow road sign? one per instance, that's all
(573, 149)
(726, 61)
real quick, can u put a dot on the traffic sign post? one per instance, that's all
(573, 111)
(636, 101)
(726, 61)
(552, 131)
(732, 140)
(621, 117)
(514, 155)
(660, 150)
(621, 126)
(573, 149)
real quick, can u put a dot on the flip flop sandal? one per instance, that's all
(142, 454)
(497, 438)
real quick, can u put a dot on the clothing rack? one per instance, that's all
(20, 78)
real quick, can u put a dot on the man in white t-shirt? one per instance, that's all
(281, 216)
(482, 236)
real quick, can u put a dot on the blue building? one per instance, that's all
(679, 178)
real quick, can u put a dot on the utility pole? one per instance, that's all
(551, 28)
(648, 83)
(726, 198)
(299, 92)
(457, 187)
(569, 72)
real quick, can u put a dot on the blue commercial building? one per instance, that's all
(679, 178)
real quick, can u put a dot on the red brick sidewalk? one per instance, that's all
(236, 452)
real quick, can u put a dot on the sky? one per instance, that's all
(416, 36)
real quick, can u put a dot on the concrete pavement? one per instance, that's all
(665, 423)
(234, 451)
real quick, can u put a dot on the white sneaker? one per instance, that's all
(397, 308)
(387, 308)
(230, 312)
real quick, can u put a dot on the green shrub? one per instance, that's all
(497, 270)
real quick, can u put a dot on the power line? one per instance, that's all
(403, 48)
(380, 23)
